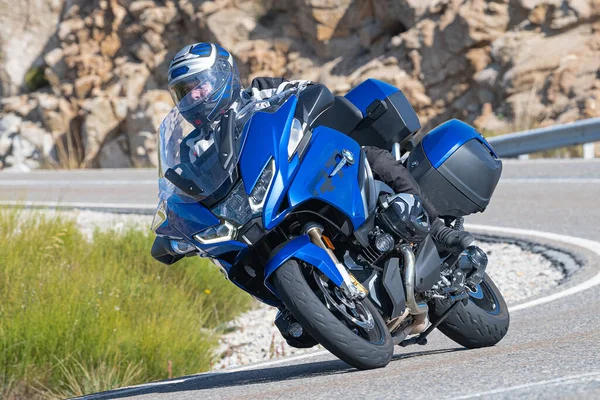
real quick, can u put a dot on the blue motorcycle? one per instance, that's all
(281, 197)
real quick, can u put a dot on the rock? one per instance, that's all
(110, 45)
(229, 26)
(136, 8)
(113, 155)
(498, 64)
(156, 18)
(26, 30)
(135, 77)
(22, 149)
(70, 26)
(20, 105)
(38, 137)
(142, 127)
(55, 60)
(143, 149)
(9, 124)
(9, 127)
(154, 40)
(488, 122)
(400, 16)
(83, 85)
(99, 121)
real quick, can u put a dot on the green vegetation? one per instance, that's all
(79, 316)
(35, 78)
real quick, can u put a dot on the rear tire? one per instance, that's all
(335, 336)
(476, 324)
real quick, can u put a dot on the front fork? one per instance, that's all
(350, 286)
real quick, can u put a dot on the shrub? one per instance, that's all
(79, 316)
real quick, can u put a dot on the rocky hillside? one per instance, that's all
(82, 81)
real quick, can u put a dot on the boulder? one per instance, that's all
(229, 26)
(99, 122)
(142, 127)
(25, 31)
(399, 16)
(41, 139)
(114, 155)
(9, 127)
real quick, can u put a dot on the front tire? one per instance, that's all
(336, 336)
(482, 322)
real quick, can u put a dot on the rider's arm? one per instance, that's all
(264, 88)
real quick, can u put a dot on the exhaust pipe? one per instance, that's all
(418, 310)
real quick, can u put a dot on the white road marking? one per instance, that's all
(550, 161)
(566, 380)
(591, 245)
(589, 181)
(58, 204)
(278, 361)
(135, 388)
(75, 183)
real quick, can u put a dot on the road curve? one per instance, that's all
(552, 350)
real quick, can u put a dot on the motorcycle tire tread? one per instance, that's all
(472, 327)
(312, 314)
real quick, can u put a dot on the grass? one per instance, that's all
(35, 78)
(79, 316)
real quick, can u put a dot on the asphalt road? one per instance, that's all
(551, 351)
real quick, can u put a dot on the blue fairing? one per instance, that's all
(184, 220)
(368, 91)
(268, 136)
(302, 249)
(441, 142)
(313, 181)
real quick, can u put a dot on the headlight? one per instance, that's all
(233, 212)
(215, 234)
(296, 135)
(235, 208)
(160, 215)
(261, 188)
(180, 247)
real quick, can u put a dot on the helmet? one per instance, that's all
(203, 82)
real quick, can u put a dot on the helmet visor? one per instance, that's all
(193, 90)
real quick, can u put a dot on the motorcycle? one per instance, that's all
(282, 198)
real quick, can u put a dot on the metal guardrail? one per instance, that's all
(552, 137)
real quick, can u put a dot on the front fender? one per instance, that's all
(301, 248)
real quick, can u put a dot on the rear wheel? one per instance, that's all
(352, 330)
(482, 322)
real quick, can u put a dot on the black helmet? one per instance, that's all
(204, 82)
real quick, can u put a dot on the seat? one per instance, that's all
(343, 116)
(312, 102)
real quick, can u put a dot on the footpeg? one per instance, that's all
(474, 263)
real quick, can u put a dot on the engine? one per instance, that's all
(400, 218)
(403, 216)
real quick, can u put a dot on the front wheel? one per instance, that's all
(351, 330)
(482, 322)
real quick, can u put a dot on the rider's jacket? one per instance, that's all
(262, 88)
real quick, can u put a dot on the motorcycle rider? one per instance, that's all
(204, 82)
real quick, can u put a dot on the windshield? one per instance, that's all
(189, 164)
(195, 162)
